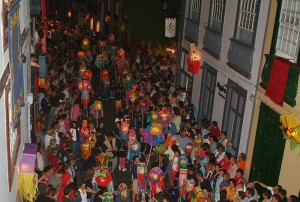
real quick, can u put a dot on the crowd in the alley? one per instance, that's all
(153, 138)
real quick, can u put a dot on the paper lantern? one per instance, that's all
(88, 74)
(164, 114)
(107, 18)
(141, 93)
(92, 24)
(84, 85)
(193, 59)
(141, 174)
(122, 53)
(86, 150)
(108, 197)
(135, 146)
(102, 43)
(155, 174)
(97, 26)
(105, 76)
(183, 161)
(154, 116)
(111, 38)
(69, 14)
(291, 129)
(87, 16)
(103, 159)
(92, 140)
(171, 139)
(85, 97)
(132, 97)
(97, 106)
(103, 178)
(85, 42)
(123, 191)
(156, 129)
(80, 54)
(124, 128)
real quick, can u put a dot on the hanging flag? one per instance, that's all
(170, 27)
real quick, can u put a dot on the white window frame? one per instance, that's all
(216, 17)
(287, 44)
(194, 10)
(247, 21)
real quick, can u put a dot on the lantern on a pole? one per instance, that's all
(97, 106)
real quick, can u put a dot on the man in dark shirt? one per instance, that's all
(204, 183)
(46, 197)
(191, 174)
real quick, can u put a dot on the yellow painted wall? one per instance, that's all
(289, 177)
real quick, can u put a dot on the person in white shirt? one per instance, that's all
(40, 161)
(48, 137)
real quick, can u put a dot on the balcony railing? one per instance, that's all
(240, 58)
(292, 82)
(212, 42)
(191, 31)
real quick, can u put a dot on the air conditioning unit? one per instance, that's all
(49, 33)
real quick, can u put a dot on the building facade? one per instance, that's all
(15, 51)
(230, 36)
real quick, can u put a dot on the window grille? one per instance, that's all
(287, 45)
(248, 15)
(195, 7)
(216, 16)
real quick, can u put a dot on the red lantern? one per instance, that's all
(87, 16)
(111, 38)
(88, 74)
(103, 179)
(105, 75)
(164, 115)
(84, 85)
(193, 60)
(107, 19)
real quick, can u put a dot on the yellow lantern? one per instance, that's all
(69, 14)
(85, 42)
(92, 140)
(124, 128)
(154, 116)
(156, 129)
(80, 54)
(107, 18)
(132, 97)
(194, 53)
(97, 105)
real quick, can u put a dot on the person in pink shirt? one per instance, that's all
(233, 167)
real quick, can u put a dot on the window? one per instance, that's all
(194, 12)
(117, 9)
(216, 17)
(207, 94)
(184, 65)
(186, 81)
(247, 21)
(234, 112)
(287, 45)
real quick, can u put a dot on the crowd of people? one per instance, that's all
(71, 135)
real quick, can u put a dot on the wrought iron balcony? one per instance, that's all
(240, 57)
(292, 82)
(212, 42)
(191, 31)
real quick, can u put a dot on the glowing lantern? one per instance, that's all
(141, 93)
(98, 26)
(69, 14)
(183, 161)
(103, 159)
(291, 129)
(86, 150)
(156, 129)
(108, 197)
(87, 16)
(125, 71)
(85, 42)
(97, 106)
(88, 74)
(107, 19)
(124, 192)
(102, 43)
(164, 114)
(193, 59)
(80, 54)
(155, 174)
(154, 116)
(135, 146)
(121, 53)
(111, 38)
(84, 85)
(132, 97)
(92, 24)
(103, 179)
(124, 127)
(105, 76)
(92, 140)
(141, 174)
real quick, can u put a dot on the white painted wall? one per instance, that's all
(4, 193)
(224, 72)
